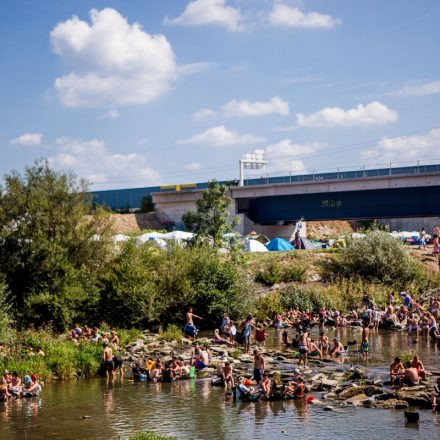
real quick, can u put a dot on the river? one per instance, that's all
(196, 410)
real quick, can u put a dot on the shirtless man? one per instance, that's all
(190, 328)
(418, 365)
(15, 385)
(365, 345)
(108, 365)
(397, 371)
(258, 366)
(303, 343)
(337, 349)
(411, 376)
(227, 376)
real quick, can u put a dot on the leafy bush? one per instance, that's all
(295, 273)
(377, 257)
(274, 274)
(270, 276)
(172, 333)
(267, 305)
(303, 298)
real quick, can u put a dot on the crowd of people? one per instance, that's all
(12, 386)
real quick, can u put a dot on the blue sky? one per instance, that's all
(133, 92)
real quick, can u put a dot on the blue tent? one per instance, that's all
(279, 244)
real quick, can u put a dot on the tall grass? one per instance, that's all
(149, 435)
(172, 333)
(63, 359)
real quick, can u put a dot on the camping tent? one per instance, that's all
(251, 245)
(279, 244)
(178, 235)
(150, 236)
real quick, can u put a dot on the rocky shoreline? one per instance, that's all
(333, 384)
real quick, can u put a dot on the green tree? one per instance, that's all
(211, 219)
(147, 204)
(53, 248)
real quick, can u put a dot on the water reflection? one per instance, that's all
(195, 410)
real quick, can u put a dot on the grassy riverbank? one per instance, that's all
(62, 358)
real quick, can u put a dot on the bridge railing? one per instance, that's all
(343, 173)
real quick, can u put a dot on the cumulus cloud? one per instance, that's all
(194, 166)
(114, 63)
(206, 12)
(408, 148)
(243, 109)
(27, 139)
(374, 113)
(204, 113)
(287, 16)
(220, 136)
(418, 89)
(92, 160)
(285, 155)
(111, 114)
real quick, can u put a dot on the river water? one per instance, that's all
(196, 410)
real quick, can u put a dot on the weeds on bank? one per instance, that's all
(172, 333)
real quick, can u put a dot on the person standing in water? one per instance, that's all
(365, 345)
(108, 364)
(258, 366)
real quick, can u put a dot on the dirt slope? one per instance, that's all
(123, 223)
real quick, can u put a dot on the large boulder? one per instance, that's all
(414, 397)
(372, 390)
(350, 392)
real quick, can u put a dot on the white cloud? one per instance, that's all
(111, 114)
(374, 113)
(92, 160)
(114, 63)
(27, 139)
(194, 166)
(243, 109)
(204, 113)
(419, 89)
(205, 12)
(408, 148)
(285, 155)
(220, 136)
(287, 16)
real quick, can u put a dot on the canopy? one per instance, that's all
(150, 236)
(254, 246)
(121, 237)
(279, 244)
(178, 235)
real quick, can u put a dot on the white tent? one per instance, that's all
(150, 236)
(254, 246)
(120, 237)
(178, 235)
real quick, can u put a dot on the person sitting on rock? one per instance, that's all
(411, 376)
(265, 384)
(337, 349)
(417, 364)
(436, 396)
(397, 371)
(156, 372)
(217, 339)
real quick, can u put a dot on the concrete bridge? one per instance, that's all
(403, 201)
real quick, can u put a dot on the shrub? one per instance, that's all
(172, 333)
(303, 298)
(295, 273)
(270, 276)
(267, 305)
(377, 257)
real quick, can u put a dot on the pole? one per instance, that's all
(241, 173)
